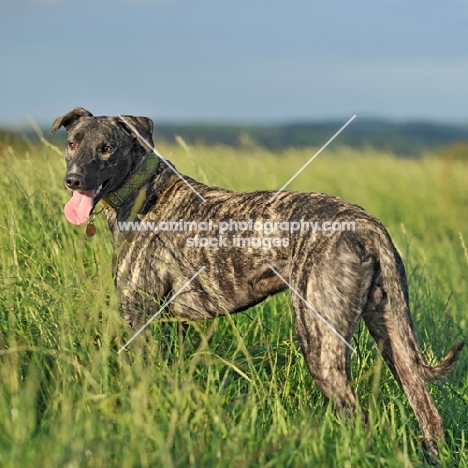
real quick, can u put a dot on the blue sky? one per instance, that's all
(234, 60)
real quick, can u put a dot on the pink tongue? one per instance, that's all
(77, 210)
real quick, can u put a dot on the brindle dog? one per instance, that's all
(342, 275)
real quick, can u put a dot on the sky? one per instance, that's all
(244, 61)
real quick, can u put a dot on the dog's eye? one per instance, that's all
(71, 144)
(107, 149)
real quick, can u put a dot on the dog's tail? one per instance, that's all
(434, 373)
(399, 339)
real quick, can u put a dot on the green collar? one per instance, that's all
(114, 200)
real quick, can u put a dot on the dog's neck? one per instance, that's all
(114, 200)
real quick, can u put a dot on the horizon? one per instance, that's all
(31, 126)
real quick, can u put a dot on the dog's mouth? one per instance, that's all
(82, 202)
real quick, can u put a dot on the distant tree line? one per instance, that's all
(401, 138)
(405, 139)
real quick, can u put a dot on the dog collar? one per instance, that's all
(114, 200)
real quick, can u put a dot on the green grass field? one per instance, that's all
(235, 392)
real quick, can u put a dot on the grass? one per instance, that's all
(235, 392)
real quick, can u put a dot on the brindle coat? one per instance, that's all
(344, 275)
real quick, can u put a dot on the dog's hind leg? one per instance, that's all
(337, 291)
(327, 356)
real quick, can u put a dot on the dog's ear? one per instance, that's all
(70, 119)
(140, 128)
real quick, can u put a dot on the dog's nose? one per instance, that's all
(74, 181)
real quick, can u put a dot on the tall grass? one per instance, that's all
(235, 392)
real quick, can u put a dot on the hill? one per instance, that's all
(404, 138)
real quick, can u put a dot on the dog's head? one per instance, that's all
(101, 152)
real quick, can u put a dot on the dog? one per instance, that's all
(336, 277)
